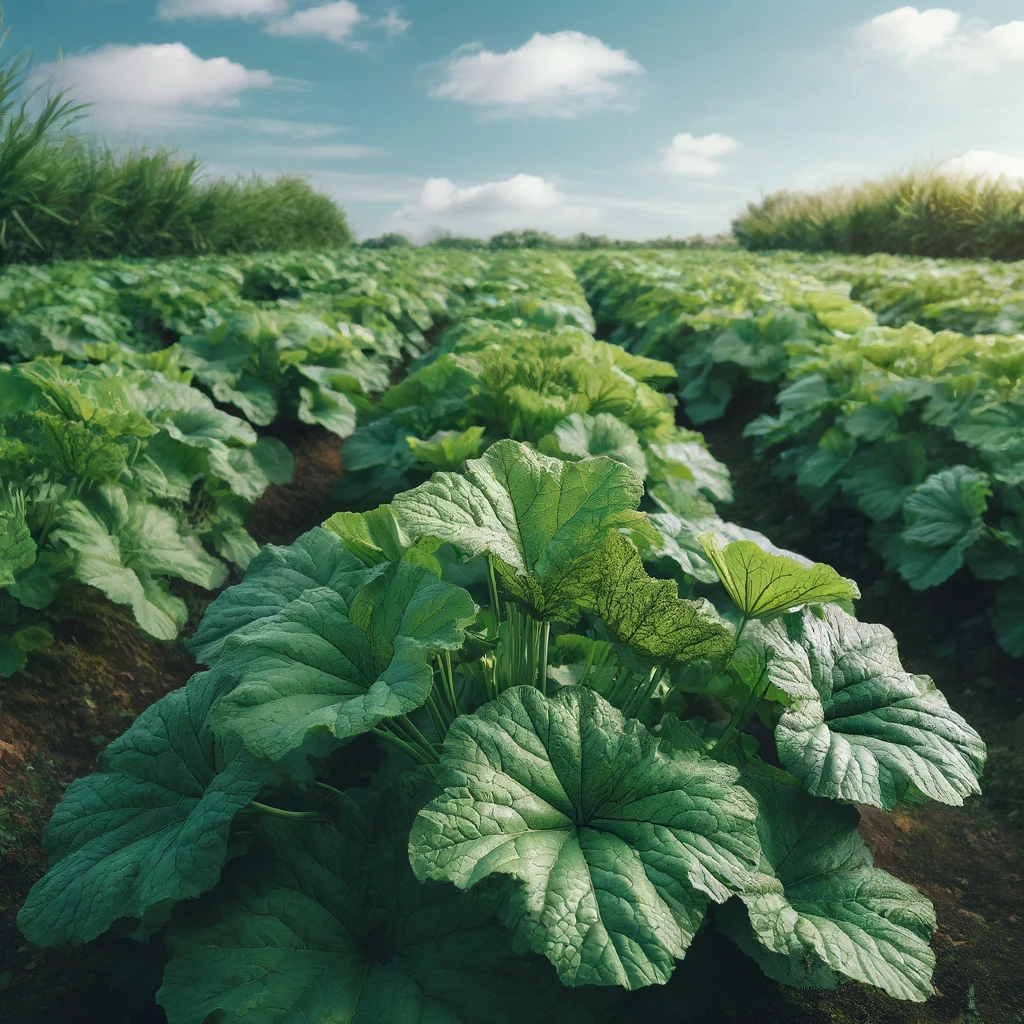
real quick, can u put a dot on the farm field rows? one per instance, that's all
(577, 531)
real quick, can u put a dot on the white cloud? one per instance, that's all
(697, 155)
(393, 24)
(292, 153)
(169, 10)
(149, 83)
(524, 201)
(907, 33)
(295, 129)
(549, 76)
(986, 163)
(334, 21)
(913, 37)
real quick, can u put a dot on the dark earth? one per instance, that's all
(80, 694)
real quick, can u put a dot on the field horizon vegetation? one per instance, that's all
(491, 630)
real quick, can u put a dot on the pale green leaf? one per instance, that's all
(617, 849)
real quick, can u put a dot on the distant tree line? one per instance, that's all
(529, 239)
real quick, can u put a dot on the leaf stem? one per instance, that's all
(545, 642)
(404, 746)
(741, 718)
(492, 580)
(278, 812)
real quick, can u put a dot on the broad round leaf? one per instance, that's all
(541, 518)
(276, 576)
(818, 911)
(617, 849)
(151, 825)
(318, 926)
(339, 663)
(763, 584)
(859, 727)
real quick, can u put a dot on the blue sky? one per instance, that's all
(636, 119)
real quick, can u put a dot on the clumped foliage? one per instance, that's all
(917, 428)
(921, 212)
(66, 196)
(555, 807)
(553, 696)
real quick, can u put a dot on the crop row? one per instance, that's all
(922, 431)
(131, 399)
(546, 648)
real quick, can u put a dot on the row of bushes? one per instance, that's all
(64, 196)
(920, 212)
(530, 239)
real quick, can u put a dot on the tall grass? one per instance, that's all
(920, 212)
(65, 196)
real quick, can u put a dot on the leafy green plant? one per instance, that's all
(121, 480)
(553, 768)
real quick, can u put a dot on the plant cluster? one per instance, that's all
(920, 212)
(920, 431)
(122, 480)
(720, 321)
(520, 363)
(122, 463)
(556, 788)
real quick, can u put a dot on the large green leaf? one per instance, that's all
(681, 542)
(337, 663)
(320, 926)
(542, 519)
(125, 547)
(581, 436)
(858, 726)
(943, 519)
(375, 537)
(151, 825)
(646, 616)
(818, 911)
(617, 849)
(276, 576)
(763, 584)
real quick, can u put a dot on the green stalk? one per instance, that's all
(545, 643)
(435, 714)
(492, 580)
(289, 815)
(405, 747)
(741, 718)
(586, 665)
(405, 723)
(450, 679)
(656, 676)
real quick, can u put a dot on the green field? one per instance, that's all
(442, 635)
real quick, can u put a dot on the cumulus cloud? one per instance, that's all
(986, 163)
(697, 155)
(393, 24)
(523, 201)
(912, 37)
(907, 34)
(335, 21)
(556, 75)
(169, 10)
(149, 83)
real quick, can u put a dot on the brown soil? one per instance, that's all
(70, 701)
